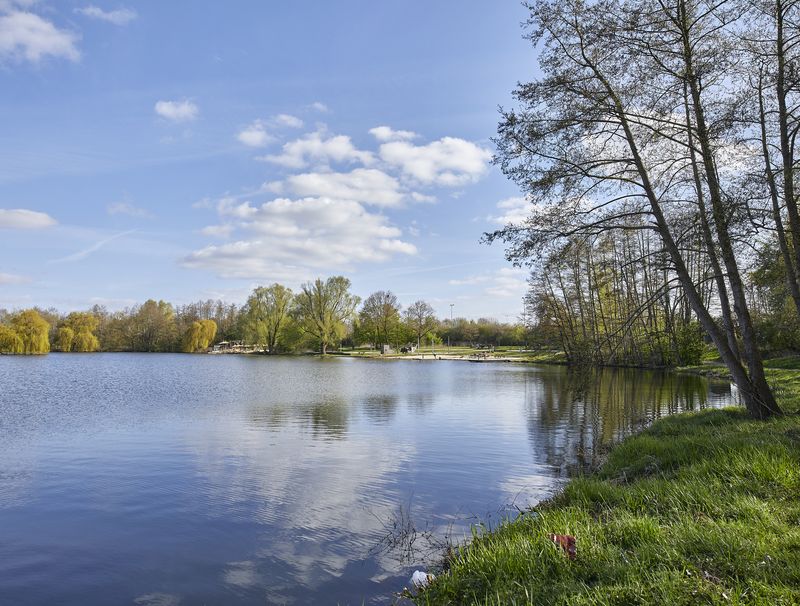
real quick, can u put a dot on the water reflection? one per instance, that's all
(576, 414)
(161, 480)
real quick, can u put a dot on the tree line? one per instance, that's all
(322, 315)
(658, 152)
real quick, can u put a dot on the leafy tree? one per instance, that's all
(267, 315)
(421, 319)
(631, 126)
(83, 326)
(66, 337)
(33, 330)
(85, 342)
(152, 327)
(323, 308)
(10, 341)
(380, 318)
(200, 336)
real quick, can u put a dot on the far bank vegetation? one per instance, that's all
(322, 316)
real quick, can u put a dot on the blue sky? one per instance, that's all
(184, 150)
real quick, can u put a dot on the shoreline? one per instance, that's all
(700, 507)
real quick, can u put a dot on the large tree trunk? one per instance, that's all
(756, 394)
(764, 403)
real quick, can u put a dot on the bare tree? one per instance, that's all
(629, 105)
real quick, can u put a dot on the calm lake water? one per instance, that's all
(163, 480)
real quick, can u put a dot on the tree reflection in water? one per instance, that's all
(575, 415)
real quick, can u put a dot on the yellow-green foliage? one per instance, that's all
(33, 330)
(83, 325)
(10, 341)
(200, 335)
(85, 341)
(66, 337)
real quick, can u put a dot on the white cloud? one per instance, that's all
(217, 231)
(386, 133)
(25, 36)
(449, 162)
(13, 279)
(514, 210)
(509, 282)
(257, 135)
(254, 135)
(288, 121)
(18, 218)
(273, 187)
(294, 239)
(417, 197)
(470, 281)
(367, 185)
(177, 111)
(324, 221)
(123, 208)
(120, 16)
(320, 107)
(320, 148)
(505, 283)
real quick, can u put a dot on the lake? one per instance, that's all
(165, 480)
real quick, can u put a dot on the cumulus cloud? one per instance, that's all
(177, 111)
(367, 185)
(294, 239)
(323, 217)
(123, 208)
(513, 210)
(318, 147)
(386, 133)
(254, 135)
(289, 121)
(120, 16)
(217, 231)
(13, 279)
(320, 107)
(19, 218)
(448, 162)
(418, 197)
(257, 133)
(25, 36)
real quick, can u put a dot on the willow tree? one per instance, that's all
(630, 128)
(323, 309)
(10, 341)
(199, 336)
(33, 331)
(267, 315)
(65, 339)
(83, 326)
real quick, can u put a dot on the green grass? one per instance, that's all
(702, 508)
(513, 353)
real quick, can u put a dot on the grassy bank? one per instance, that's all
(702, 508)
(515, 354)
